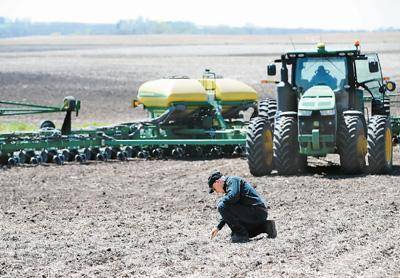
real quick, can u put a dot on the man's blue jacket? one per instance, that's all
(239, 192)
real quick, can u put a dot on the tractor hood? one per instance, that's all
(319, 97)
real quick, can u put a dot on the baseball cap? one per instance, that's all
(216, 175)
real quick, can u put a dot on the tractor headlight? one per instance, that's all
(305, 112)
(329, 112)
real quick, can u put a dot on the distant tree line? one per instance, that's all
(23, 27)
(145, 26)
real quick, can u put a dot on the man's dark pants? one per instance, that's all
(244, 220)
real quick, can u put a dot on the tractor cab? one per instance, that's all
(349, 74)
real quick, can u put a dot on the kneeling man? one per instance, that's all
(242, 208)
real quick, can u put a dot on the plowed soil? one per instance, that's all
(152, 218)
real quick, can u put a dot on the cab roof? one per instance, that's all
(321, 52)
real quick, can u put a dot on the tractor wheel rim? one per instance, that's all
(388, 145)
(268, 147)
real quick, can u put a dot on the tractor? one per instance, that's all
(321, 108)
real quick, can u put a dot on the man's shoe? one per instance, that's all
(270, 229)
(238, 238)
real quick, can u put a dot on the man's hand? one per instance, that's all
(214, 232)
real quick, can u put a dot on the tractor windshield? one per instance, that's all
(330, 71)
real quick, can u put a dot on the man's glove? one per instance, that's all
(214, 232)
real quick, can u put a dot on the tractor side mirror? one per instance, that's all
(271, 70)
(373, 66)
(390, 86)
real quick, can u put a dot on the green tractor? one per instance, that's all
(321, 109)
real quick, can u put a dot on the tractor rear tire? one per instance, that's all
(259, 150)
(352, 144)
(287, 159)
(380, 146)
(267, 109)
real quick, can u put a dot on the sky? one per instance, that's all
(337, 14)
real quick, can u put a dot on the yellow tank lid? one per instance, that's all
(163, 92)
(234, 90)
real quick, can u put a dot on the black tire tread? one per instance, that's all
(377, 163)
(286, 147)
(267, 108)
(255, 146)
(347, 144)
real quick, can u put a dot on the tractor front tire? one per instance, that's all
(259, 150)
(352, 144)
(380, 146)
(287, 159)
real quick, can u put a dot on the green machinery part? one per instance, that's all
(70, 104)
(205, 132)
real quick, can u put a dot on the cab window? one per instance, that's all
(372, 80)
(329, 71)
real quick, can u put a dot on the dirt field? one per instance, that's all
(153, 218)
